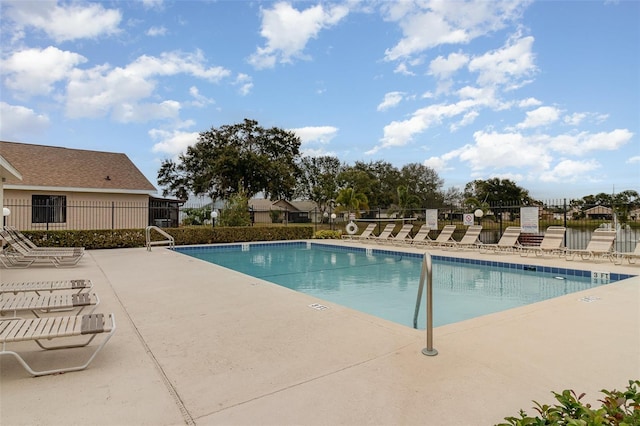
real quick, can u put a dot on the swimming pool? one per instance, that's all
(384, 283)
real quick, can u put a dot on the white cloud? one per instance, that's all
(467, 119)
(316, 152)
(391, 99)
(502, 68)
(428, 24)
(574, 119)
(141, 112)
(156, 31)
(585, 142)
(497, 151)
(529, 102)
(173, 142)
(200, 100)
(176, 62)
(633, 160)
(578, 118)
(64, 22)
(571, 171)
(540, 117)
(514, 177)
(403, 69)
(153, 4)
(318, 134)
(438, 164)
(442, 67)
(102, 90)
(532, 157)
(288, 31)
(507, 66)
(35, 71)
(607, 141)
(399, 133)
(18, 122)
(485, 94)
(245, 83)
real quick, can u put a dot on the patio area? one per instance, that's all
(200, 344)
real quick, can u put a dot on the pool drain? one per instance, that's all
(318, 306)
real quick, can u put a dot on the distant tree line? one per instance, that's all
(245, 159)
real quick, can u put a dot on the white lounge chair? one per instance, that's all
(22, 239)
(552, 243)
(600, 246)
(18, 256)
(471, 239)
(403, 234)
(385, 234)
(364, 235)
(40, 330)
(15, 304)
(445, 236)
(630, 256)
(508, 241)
(422, 236)
(44, 286)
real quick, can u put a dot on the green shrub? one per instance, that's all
(326, 234)
(619, 408)
(122, 238)
(236, 211)
(276, 216)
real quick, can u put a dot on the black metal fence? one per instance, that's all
(580, 220)
(78, 215)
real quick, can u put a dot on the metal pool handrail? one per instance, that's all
(426, 275)
(169, 239)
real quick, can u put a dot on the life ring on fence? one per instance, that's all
(351, 228)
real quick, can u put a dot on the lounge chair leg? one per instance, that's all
(59, 370)
(93, 331)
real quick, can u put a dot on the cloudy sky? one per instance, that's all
(544, 93)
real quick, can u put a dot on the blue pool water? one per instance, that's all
(384, 283)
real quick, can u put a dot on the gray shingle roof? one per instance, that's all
(51, 166)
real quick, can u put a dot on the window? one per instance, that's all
(48, 208)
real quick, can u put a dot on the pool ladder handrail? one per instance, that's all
(169, 240)
(426, 276)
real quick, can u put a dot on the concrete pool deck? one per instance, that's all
(200, 344)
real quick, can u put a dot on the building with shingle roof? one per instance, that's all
(268, 211)
(599, 212)
(64, 188)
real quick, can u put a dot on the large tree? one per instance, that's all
(452, 197)
(317, 181)
(497, 191)
(376, 180)
(424, 183)
(350, 200)
(406, 202)
(239, 157)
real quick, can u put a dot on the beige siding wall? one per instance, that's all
(262, 217)
(84, 210)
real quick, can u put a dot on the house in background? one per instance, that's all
(599, 212)
(282, 211)
(64, 188)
